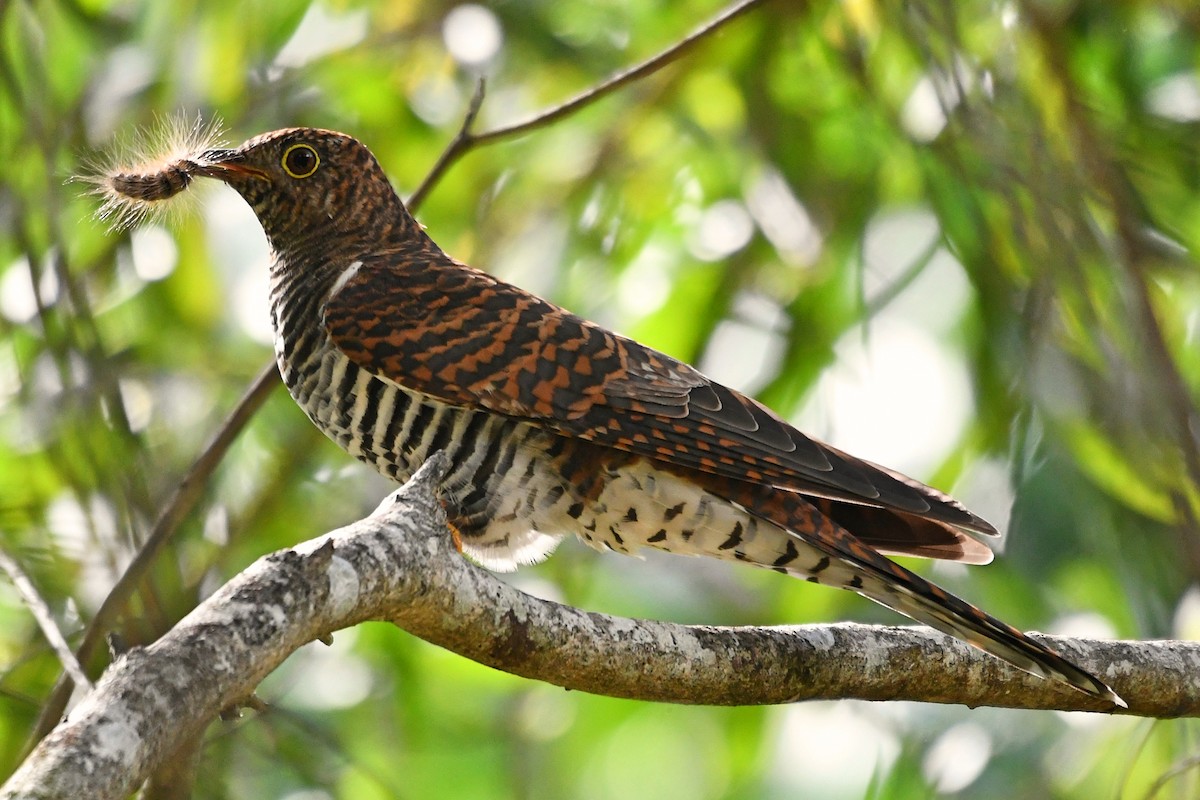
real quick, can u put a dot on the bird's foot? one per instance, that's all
(455, 533)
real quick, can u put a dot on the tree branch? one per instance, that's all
(399, 564)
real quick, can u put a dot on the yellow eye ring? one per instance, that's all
(300, 160)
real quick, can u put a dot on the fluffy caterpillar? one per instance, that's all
(150, 170)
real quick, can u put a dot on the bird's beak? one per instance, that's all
(225, 165)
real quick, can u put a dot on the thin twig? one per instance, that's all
(1160, 783)
(45, 619)
(465, 141)
(621, 79)
(457, 148)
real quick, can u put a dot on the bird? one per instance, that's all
(553, 425)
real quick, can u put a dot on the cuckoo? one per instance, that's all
(556, 426)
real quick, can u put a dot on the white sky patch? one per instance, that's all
(472, 34)
(898, 398)
(922, 115)
(893, 241)
(308, 794)
(155, 253)
(436, 99)
(324, 677)
(321, 32)
(1176, 98)
(126, 71)
(724, 228)
(252, 303)
(10, 374)
(534, 584)
(138, 401)
(957, 758)
(938, 92)
(829, 750)
(531, 259)
(87, 534)
(1084, 625)
(783, 219)
(746, 351)
(242, 256)
(1186, 624)
(646, 283)
(1009, 16)
(17, 301)
(986, 488)
(216, 525)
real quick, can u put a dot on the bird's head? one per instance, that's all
(306, 183)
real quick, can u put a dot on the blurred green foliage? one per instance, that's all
(849, 208)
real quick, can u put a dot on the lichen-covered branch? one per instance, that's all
(399, 564)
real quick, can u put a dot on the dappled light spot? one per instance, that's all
(894, 395)
(783, 219)
(957, 758)
(472, 34)
(1176, 97)
(18, 303)
(746, 350)
(154, 252)
(830, 750)
(321, 31)
(724, 228)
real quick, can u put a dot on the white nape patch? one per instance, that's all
(348, 273)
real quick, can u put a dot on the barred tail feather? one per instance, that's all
(913, 596)
(810, 541)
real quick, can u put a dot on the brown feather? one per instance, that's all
(468, 339)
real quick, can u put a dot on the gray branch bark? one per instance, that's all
(399, 564)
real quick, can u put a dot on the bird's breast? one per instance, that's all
(514, 488)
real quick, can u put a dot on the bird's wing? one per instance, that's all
(464, 337)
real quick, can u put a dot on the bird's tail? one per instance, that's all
(899, 589)
(836, 557)
(784, 531)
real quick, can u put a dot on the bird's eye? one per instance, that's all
(300, 160)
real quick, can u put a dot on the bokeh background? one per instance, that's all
(957, 238)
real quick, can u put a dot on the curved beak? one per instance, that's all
(224, 164)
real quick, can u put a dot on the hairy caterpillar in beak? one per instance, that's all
(151, 169)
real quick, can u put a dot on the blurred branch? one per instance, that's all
(44, 618)
(465, 141)
(190, 489)
(175, 777)
(182, 500)
(400, 565)
(1131, 254)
